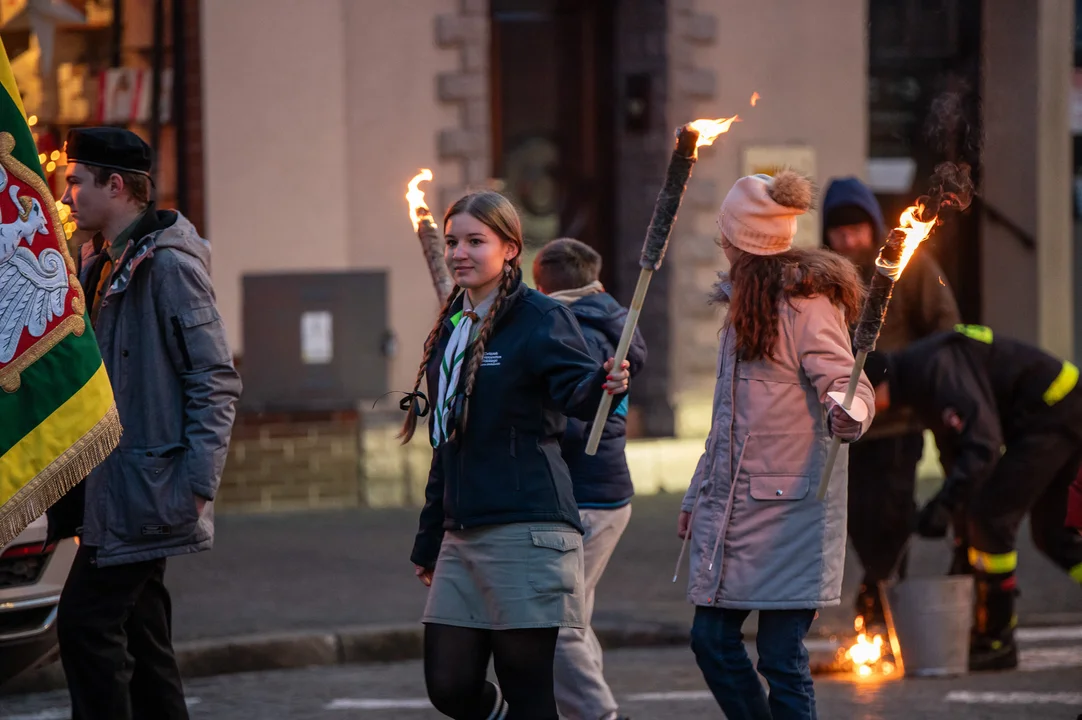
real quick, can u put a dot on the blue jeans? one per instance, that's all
(718, 642)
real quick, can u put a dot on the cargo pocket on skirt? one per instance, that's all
(556, 564)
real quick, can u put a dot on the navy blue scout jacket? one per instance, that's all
(602, 480)
(506, 466)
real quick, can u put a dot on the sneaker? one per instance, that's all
(499, 708)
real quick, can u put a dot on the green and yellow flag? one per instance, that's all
(57, 415)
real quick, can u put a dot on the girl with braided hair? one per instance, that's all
(500, 540)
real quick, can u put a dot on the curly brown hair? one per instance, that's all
(761, 282)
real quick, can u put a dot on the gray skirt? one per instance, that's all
(503, 577)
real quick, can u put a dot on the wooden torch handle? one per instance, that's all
(630, 324)
(836, 442)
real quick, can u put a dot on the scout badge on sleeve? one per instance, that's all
(59, 417)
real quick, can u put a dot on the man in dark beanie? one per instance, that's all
(883, 464)
(149, 296)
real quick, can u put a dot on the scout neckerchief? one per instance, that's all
(114, 253)
(466, 324)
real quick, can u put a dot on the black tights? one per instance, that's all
(456, 664)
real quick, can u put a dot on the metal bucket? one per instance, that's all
(928, 620)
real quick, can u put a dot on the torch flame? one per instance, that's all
(866, 654)
(710, 129)
(416, 197)
(755, 97)
(916, 231)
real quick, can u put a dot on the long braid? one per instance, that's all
(477, 349)
(410, 425)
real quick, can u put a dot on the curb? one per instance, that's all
(346, 646)
(368, 644)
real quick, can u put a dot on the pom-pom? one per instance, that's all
(791, 189)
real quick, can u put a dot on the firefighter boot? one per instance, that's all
(869, 607)
(992, 645)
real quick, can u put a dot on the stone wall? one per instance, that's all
(286, 461)
(303, 461)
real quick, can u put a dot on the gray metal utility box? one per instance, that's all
(314, 341)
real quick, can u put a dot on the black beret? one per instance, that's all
(109, 147)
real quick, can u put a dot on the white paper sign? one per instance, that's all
(317, 337)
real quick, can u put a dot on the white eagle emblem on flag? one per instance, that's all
(40, 301)
(32, 289)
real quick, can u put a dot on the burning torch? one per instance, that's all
(429, 235)
(893, 257)
(689, 139)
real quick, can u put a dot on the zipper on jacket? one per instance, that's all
(178, 333)
(514, 443)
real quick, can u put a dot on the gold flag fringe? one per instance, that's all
(33, 499)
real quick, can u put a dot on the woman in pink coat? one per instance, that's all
(759, 537)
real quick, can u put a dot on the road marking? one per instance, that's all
(687, 695)
(65, 713)
(1072, 632)
(53, 714)
(420, 704)
(376, 704)
(1014, 698)
(1049, 658)
(1063, 633)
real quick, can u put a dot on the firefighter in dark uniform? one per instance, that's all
(1014, 414)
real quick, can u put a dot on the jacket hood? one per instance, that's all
(851, 191)
(177, 233)
(602, 312)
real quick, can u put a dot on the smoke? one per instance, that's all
(950, 126)
(952, 131)
(950, 187)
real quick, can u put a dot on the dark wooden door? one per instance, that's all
(553, 118)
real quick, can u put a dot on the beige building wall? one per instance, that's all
(275, 129)
(314, 125)
(808, 62)
(393, 120)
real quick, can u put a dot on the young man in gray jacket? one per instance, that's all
(147, 283)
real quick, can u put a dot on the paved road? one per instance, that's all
(656, 684)
(319, 570)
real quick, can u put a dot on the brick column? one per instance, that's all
(641, 158)
(193, 112)
(693, 254)
(468, 142)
